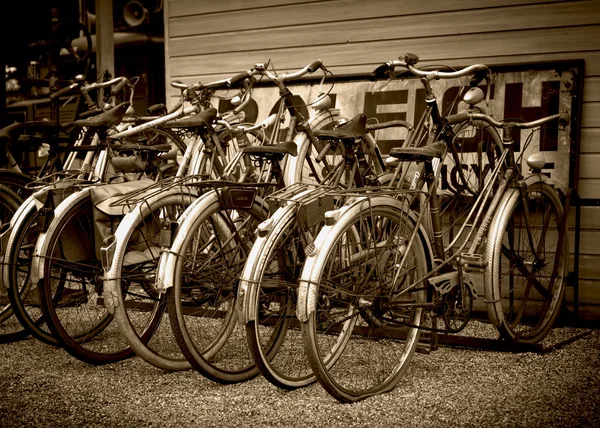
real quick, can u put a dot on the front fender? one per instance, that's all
(308, 286)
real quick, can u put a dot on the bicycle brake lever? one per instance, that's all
(383, 85)
(488, 93)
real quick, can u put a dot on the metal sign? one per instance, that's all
(515, 94)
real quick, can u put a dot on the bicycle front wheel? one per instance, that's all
(71, 286)
(363, 302)
(16, 271)
(205, 261)
(139, 305)
(10, 327)
(527, 263)
(272, 331)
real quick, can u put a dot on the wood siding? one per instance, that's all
(206, 40)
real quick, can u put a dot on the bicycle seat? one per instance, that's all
(419, 154)
(356, 128)
(106, 119)
(202, 119)
(11, 132)
(42, 127)
(288, 147)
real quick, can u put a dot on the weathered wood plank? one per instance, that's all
(589, 293)
(589, 242)
(398, 27)
(588, 165)
(195, 7)
(589, 267)
(590, 140)
(591, 89)
(318, 12)
(590, 217)
(592, 64)
(590, 115)
(589, 188)
(429, 49)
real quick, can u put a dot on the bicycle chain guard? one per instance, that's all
(457, 294)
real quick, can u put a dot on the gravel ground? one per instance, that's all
(44, 386)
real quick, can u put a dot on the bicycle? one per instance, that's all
(20, 238)
(60, 156)
(82, 322)
(269, 284)
(209, 340)
(131, 254)
(380, 278)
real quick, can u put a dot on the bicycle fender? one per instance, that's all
(308, 287)
(41, 246)
(536, 178)
(167, 280)
(248, 289)
(247, 286)
(121, 238)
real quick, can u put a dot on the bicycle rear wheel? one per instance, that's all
(362, 314)
(524, 280)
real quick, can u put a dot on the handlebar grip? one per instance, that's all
(118, 87)
(156, 108)
(315, 66)
(457, 118)
(324, 152)
(380, 72)
(63, 91)
(564, 119)
(478, 77)
(237, 79)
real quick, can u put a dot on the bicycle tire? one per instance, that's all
(526, 310)
(297, 169)
(203, 267)
(16, 181)
(138, 306)
(475, 149)
(336, 311)
(16, 272)
(272, 333)
(70, 285)
(11, 329)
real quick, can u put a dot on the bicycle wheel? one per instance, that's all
(129, 287)
(475, 151)
(273, 333)
(524, 279)
(206, 258)
(300, 170)
(359, 300)
(10, 327)
(16, 182)
(71, 286)
(16, 272)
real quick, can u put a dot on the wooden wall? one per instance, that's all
(206, 40)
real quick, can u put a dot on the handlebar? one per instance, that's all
(564, 119)
(479, 71)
